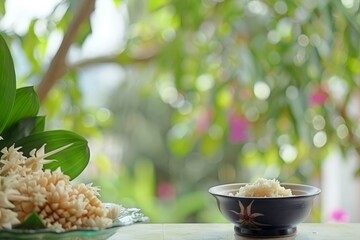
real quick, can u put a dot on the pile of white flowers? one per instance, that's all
(26, 188)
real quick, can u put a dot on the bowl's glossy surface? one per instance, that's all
(265, 216)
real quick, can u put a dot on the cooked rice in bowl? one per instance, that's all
(263, 188)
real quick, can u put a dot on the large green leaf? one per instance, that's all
(72, 160)
(26, 105)
(7, 83)
(22, 128)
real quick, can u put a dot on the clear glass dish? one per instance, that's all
(127, 217)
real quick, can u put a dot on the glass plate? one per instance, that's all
(127, 217)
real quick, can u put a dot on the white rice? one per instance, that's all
(263, 188)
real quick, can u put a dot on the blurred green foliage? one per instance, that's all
(213, 91)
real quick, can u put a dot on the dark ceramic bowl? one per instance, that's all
(265, 216)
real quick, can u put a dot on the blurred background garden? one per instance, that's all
(176, 96)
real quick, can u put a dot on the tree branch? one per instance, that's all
(118, 59)
(58, 65)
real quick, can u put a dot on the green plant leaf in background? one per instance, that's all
(357, 173)
(7, 83)
(71, 160)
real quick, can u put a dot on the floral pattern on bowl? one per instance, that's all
(248, 218)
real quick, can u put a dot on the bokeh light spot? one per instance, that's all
(204, 82)
(348, 3)
(288, 153)
(303, 40)
(262, 90)
(342, 131)
(292, 92)
(280, 7)
(257, 7)
(318, 122)
(320, 139)
(103, 114)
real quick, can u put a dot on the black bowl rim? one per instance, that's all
(316, 190)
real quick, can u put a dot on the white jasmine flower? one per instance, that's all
(26, 188)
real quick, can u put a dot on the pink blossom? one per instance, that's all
(339, 216)
(319, 96)
(204, 121)
(238, 129)
(165, 191)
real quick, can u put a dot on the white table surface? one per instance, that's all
(305, 231)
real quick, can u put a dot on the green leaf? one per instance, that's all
(71, 160)
(180, 147)
(28, 41)
(33, 221)
(22, 128)
(155, 5)
(39, 124)
(68, 16)
(7, 83)
(26, 105)
(189, 204)
(2, 8)
(357, 172)
(117, 3)
(83, 32)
